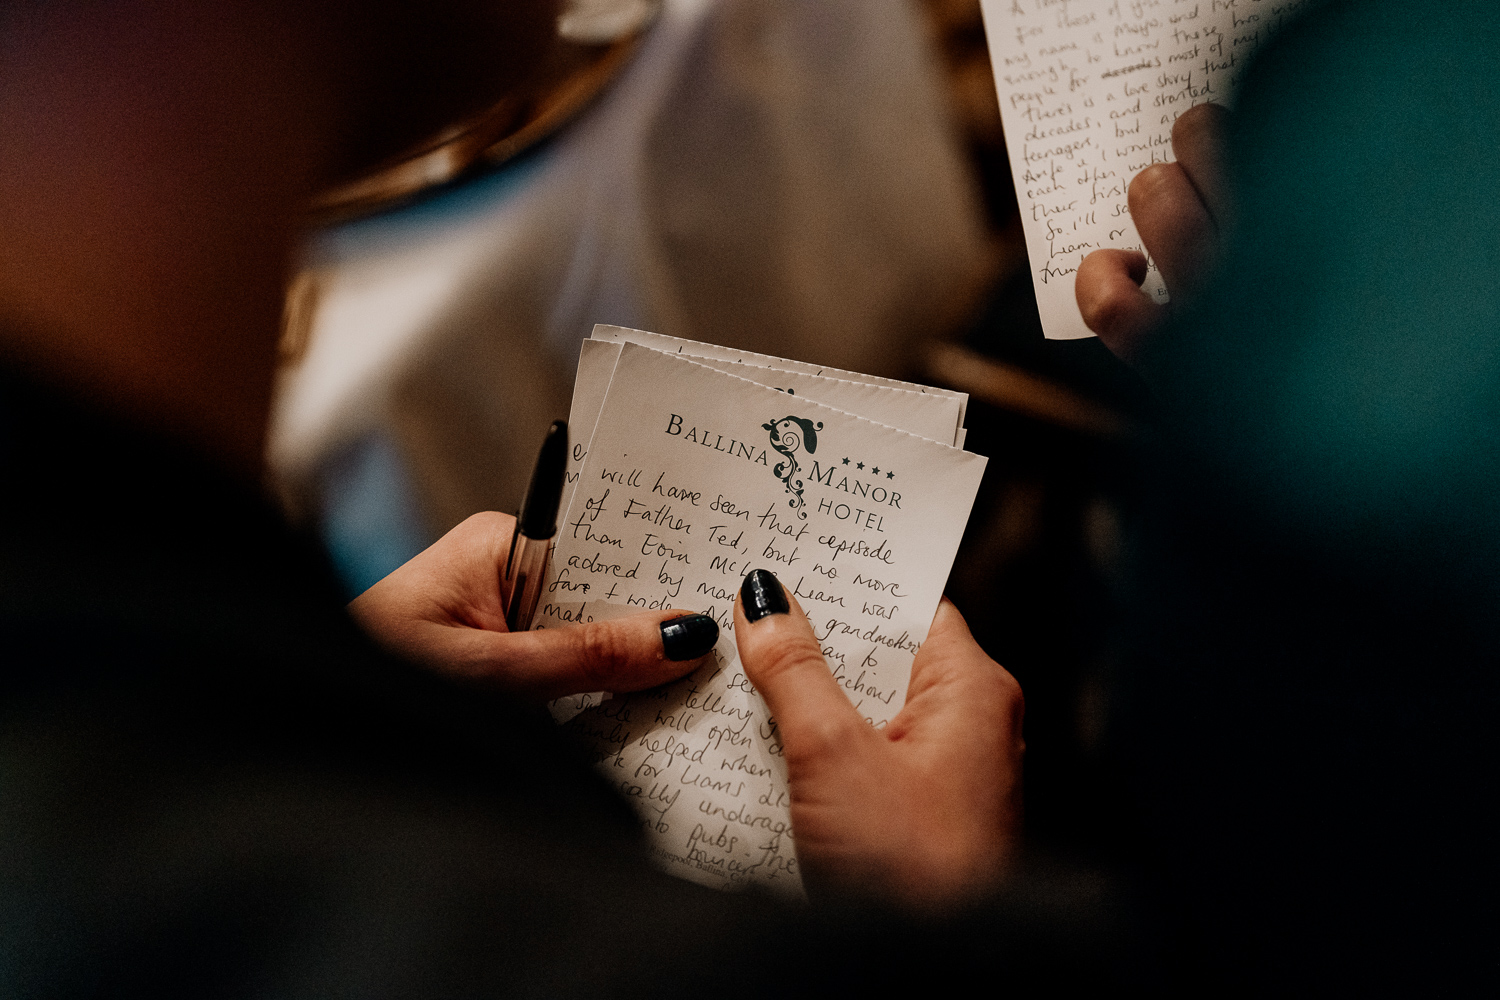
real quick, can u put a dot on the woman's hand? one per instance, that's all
(442, 609)
(925, 811)
(1181, 210)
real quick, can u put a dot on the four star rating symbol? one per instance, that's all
(874, 469)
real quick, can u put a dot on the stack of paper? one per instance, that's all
(694, 464)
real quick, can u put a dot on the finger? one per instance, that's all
(1174, 225)
(456, 580)
(1199, 143)
(783, 660)
(948, 646)
(1112, 302)
(469, 560)
(951, 671)
(625, 654)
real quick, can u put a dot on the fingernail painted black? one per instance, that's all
(688, 637)
(762, 595)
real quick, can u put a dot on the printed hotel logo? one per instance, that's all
(788, 437)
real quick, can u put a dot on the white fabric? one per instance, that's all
(774, 175)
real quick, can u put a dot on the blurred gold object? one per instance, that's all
(598, 21)
(570, 77)
(297, 315)
(595, 42)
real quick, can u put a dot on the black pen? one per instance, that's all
(531, 545)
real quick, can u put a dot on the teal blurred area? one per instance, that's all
(1345, 379)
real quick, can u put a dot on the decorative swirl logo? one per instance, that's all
(788, 435)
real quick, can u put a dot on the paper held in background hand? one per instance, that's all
(695, 476)
(1088, 92)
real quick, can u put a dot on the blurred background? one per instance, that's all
(826, 181)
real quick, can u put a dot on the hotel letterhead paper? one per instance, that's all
(693, 478)
(924, 414)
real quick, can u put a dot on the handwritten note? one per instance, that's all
(936, 414)
(694, 477)
(1088, 91)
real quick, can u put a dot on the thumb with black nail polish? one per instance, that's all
(762, 595)
(688, 637)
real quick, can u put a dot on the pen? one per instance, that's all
(531, 544)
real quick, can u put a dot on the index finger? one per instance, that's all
(951, 673)
(624, 654)
(1198, 139)
(1174, 224)
(948, 642)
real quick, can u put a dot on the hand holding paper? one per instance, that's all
(1089, 93)
(896, 770)
(927, 809)
(695, 476)
(442, 609)
(1182, 210)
